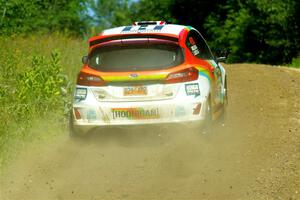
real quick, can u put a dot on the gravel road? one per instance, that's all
(255, 156)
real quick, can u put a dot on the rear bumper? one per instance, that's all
(92, 115)
(86, 128)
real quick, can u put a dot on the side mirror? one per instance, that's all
(221, 59)
(221, 55)
(85, 60)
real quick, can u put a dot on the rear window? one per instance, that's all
(135, 57)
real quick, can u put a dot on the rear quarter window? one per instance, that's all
(197, 45)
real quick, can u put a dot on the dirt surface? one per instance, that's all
(255, 156)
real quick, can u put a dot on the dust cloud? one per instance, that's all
(254, 156)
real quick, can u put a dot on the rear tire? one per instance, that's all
(207, 125)
(222, 119)
(73, 133)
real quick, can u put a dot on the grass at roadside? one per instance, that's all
(36, 79)
(295, 63)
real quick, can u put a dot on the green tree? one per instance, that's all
(110, 13)
(256, 30)
(154, 10)
(194, 12)
(18, 16)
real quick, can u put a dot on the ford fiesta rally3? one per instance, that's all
(148, 73)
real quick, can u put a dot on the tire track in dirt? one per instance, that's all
(255, 156)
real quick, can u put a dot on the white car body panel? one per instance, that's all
(178, 108)
(169, 29)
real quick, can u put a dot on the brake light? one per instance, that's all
(189, 74)
(89, 79)
(197, 109)
(77, 113)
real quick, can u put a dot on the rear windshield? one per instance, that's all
(135, 57)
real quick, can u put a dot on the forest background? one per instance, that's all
(260, 31)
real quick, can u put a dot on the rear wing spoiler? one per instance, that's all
(139, 36)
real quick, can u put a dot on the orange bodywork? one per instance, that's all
(190, 60)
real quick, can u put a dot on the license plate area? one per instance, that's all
(135, 91)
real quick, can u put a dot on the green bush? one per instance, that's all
(37, 92)
(295, 63)
(35, 86)
(41, 86)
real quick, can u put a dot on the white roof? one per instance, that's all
(164, 29)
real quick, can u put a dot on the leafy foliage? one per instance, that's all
(256, 30)
(295, 63)
(109, 13)
(42, 85)
(18, 16)
(155, 10)
(34, 84)
(194, 12)
(252, 30)
(36, 93)
(113, 13)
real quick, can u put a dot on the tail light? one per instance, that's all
(89, 79)
(189, 74)
(197, 109)
(77, 113)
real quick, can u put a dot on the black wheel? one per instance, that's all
(73, 133)
(207, 125)
(222, 119)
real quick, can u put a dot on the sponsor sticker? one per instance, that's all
(133, 75)
(135, 113)
(194, 47)
(195, 50)
(91, 114)
(192, 41)
(80, 93)
(146, 29)
(192, 89)
(179, 111)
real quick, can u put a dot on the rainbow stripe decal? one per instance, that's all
(205, 73)
(211, 62)
(135, 77)
(150, 76)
